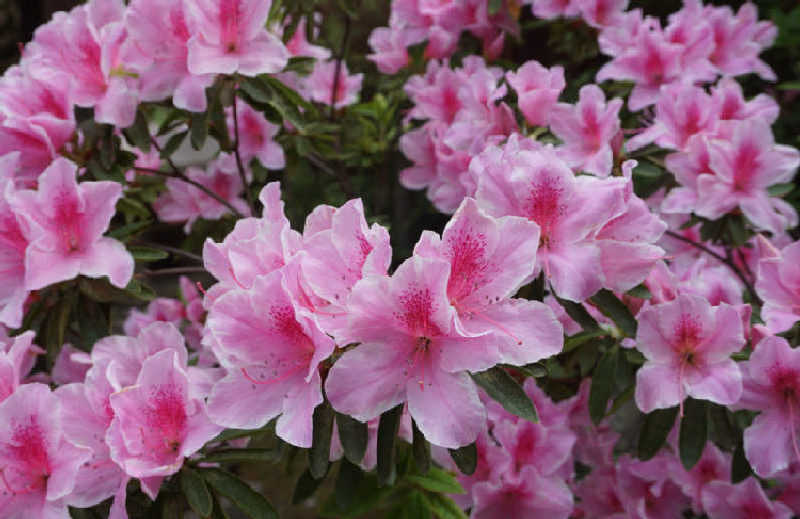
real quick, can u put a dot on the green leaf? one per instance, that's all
(789, 85)
(253, 504)
(128, 230)
(445, 508)
(173, 144)
(320, 451)
(495, 6)
(579, 314)
(737, 231)
(740, 467)
(198, 129)
(196, 492)
(147, 254)
(353, 436)
(614, 309)
(437, 480)
(655, 430)
(693, 432)
(721, 430)
(640, 291)
(503, 388)
(242, 455)
(57, 322)
(579, 339)
(466, 458)
(305, 487)
(421, 449)
(780, 189)
(646, 169)
(347, 481)
(415, 506)
(387, 433)
(140, 291)
(138, 133)
(603, 381)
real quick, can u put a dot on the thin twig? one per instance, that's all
(727, 261)
(338, 70)
(167, 158)
(239, 164)
(171, 272)
(181, 176)
(172, 250)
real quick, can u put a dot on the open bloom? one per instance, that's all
(65, 222)
(411, 351)
(538, 89)
(528, 494)
(778, 284)
(230, 36)
(687, 344)
(13, 244)
(322, 86)
(587, 129)
(772, 386)
(745, 500)
(38, 465)
(272, 348)
(490, 258)
(14, 363)
(569, 210)
(158, 421)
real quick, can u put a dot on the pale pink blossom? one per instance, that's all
(601, 13)
(727, 94)
(230, 36)
(13, 244)
(537, 89)
(587, 130)
(388, 50)
(323, 87)
(256, 137)
(713, 465)
(739, 39)
(687, 344)
(745, 500)
(778, 284)
(549, 9)
(65, 222)
(15, 363)
(159, 309)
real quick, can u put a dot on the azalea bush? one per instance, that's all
(454, 258)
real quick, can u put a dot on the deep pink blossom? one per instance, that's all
(687, 344)
(745, 500)
(14, 363)
(13, 244)
(38, 464)
(158, 421)
(587, 129)
(713, 465)
(272, 348)
(646, 491)
(65, 222)
(528, 494)
(601, 13)
(257, 137)
(230, 36)
(537, 89)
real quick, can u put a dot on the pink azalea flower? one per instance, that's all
(25, 95)
(618, 38)
(739, 39)
(183, 202)
(687, 344)
(776, 283)
(587, 129)
(690, 28)
(528, 494)
(159, 309)
(411, 352)
(298, 44)
(651, 61)
(646, 491)
(84, 45)
(256, 137)
(599, 494)
(490, 258)
(156, 49)
(727, 94)
(548, 449)
(772, 386)
(256, 246)
(713, 465)
(230, 36)
(272, 348)
(682, 111)
(13, 244)
(601, 13)
(38, 464)
(722, 500)
(65, 222)
(538, 89)
(569, 210)
(388, 50)
(687, 166)
(744, 167)
(320, 85)
(158, 421)
(65, 369)
(29, 144)
(14, 363)
(336, 257)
